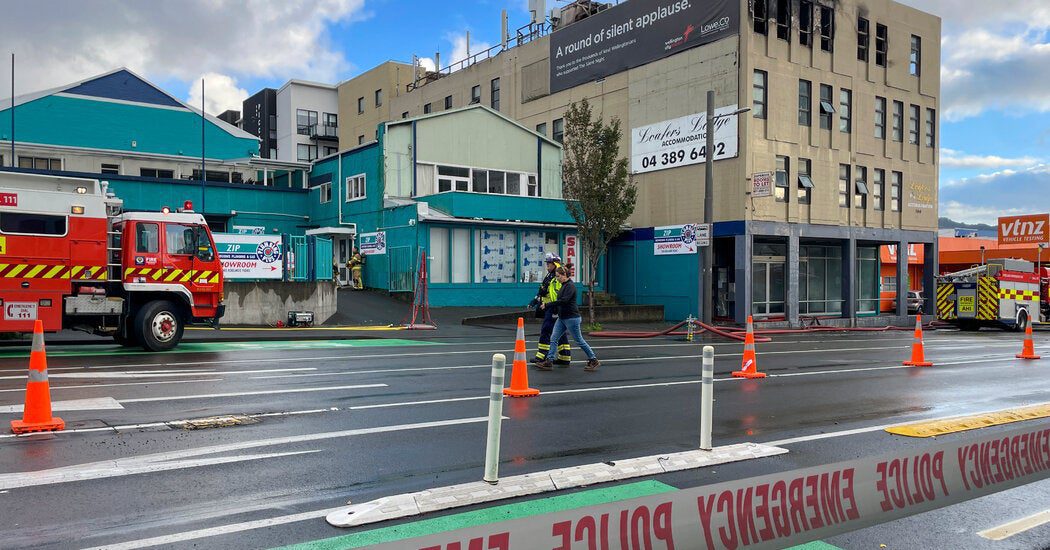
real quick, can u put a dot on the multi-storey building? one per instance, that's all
(367, 103)
(307, 121)
(836, 156)
(260, 120)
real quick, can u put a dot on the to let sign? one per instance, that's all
(762, 184)
(1032, 228)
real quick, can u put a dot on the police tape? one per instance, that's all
(778, 510)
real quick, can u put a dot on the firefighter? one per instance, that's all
(548, 293)
(354, 265)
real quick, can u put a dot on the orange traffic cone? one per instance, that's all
(918, 357)
(749, 364)
(37, 414)
(1028, 350)
(519, 376)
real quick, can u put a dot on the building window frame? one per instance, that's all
(915, 56)
(355, 188)
(781, 179)
(881, 44)
(931, 127)
(160, 173)
(428, 108)
(558, 130)
(324, 193)
(760, 16)
(913, 124)
(844, 185)
(475, 94)
(860, 198)
(305, 120)
(805, 23)
(541, 129)
(896, 183)
(379, 98)
(106, 168)
(759, 93)
(53, 164)
(898, 121)
(361, 105)
(827, 109)
(494, 93)
(311, 152)
(863, 38)
(805, 181)
(880, 118)
(827, 29)
(805, 102)
(878, 189)
(448, 102)
(845, 111)
(783, 19)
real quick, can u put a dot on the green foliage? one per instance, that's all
(596, 179)
(592, 327)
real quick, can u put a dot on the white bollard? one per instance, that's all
(707, 397)
(499, 364)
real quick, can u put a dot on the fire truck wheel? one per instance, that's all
(1022, 321)
(158, 326)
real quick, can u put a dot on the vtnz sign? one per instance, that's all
(1033, 228)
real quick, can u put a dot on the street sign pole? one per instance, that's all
(705, 285)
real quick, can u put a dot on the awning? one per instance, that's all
(350, 229)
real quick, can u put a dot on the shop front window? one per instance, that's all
(495, 256)
(867, 280)
(535, 245)
(820, 280)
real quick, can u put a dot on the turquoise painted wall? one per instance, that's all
(81, 122)
(365, 161)
(639, 276)
(500, 207)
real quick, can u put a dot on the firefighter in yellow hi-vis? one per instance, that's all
(354, 264)
(548, 293)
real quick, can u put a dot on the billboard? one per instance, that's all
(677, 239)
(634, 33)
(682, 141)
(249, 256)
(1031, 228)
(373, 243)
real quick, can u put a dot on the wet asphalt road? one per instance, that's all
(360, 421)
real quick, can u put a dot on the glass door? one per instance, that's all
(768, 285)
(343, 251)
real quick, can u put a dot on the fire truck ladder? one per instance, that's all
(113, 246)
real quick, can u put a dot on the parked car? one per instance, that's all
(914, 301)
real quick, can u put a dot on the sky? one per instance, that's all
(995, 73)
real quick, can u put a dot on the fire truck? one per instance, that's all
(72, 258)
(1005, 293)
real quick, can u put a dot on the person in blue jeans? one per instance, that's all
(568, 321)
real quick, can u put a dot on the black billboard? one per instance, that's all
(635, 33)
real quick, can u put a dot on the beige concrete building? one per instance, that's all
(837, 156)
(366, 100)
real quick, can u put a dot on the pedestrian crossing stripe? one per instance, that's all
(53, 271)
(987, 299)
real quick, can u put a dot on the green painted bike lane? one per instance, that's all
(219, 347)
(505, 512)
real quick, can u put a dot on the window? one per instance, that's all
(780, 188)
(453, 178)
(881, 44)
(497, 182)
(878, 189)
(895, 191)
(860, 200)
(805, 181)
(533, 189)
(460, 255)
(180, 239)
(805, 102)
(513, 183)
(820, 279)
(915, 59)
(210, 175)
(534, 246)
(305, 153)
(880, 117)
(761, 16)
(110, 169)
(826, 108)
(360, 105)
(156, 173)
(863, 30)
(355, 187)
(845, 117)
(404, 114)
(361, 139)
(32, 224)
(438, 254)
(898, 120)
(324, 193)
(379, 98)
(827, 28)
(330, 151)
(558, 131)
(931, 123)
(758, 94)
(889, 283)
(495, 256)
(40, 163)
(475, 94)
(331, 121)
(147, 238)
(205, 252)
(426, 109)
(913, 125)
(541, 128)
(305, 121)
(494, 94)
(784, 19)
(805, 23)
(844, 185)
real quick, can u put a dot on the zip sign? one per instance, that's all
(1032, 228)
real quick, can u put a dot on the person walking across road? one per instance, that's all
(568, 321)
(548, 293)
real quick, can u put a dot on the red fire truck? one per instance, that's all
(71, 257)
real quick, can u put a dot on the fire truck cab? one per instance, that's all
(72, 258)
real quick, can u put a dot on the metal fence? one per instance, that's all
(322, 259)
(309, 258)
(298, 259)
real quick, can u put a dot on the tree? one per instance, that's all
(601, 193)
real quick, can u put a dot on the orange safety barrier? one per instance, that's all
(918, 356)
(1028, 349)
(749, 364)
(37, 414)
(519, 376)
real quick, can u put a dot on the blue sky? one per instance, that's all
(995, 104)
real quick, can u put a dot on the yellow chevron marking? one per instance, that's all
(15, 271)
(205, 275)
(129, 271)
(75, 271)
(187, 276)
(157, 274)
(52, 272)
(174, 275)
(215, 278)
(33, 272)
(104, 276)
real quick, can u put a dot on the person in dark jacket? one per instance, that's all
(548, 293)
(568, 321)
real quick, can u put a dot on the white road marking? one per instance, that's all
(158, 374)
(174, 460)
(216, 531)
(828, 435)
(53, 388)
(1012, 528)
(93, 404)
(247, 393)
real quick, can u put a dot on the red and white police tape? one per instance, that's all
(778, 510)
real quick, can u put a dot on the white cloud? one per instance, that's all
(220, 93)
(951, 158)
(460, 53)
(969, 213)
(983, 198)
(174, 40)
